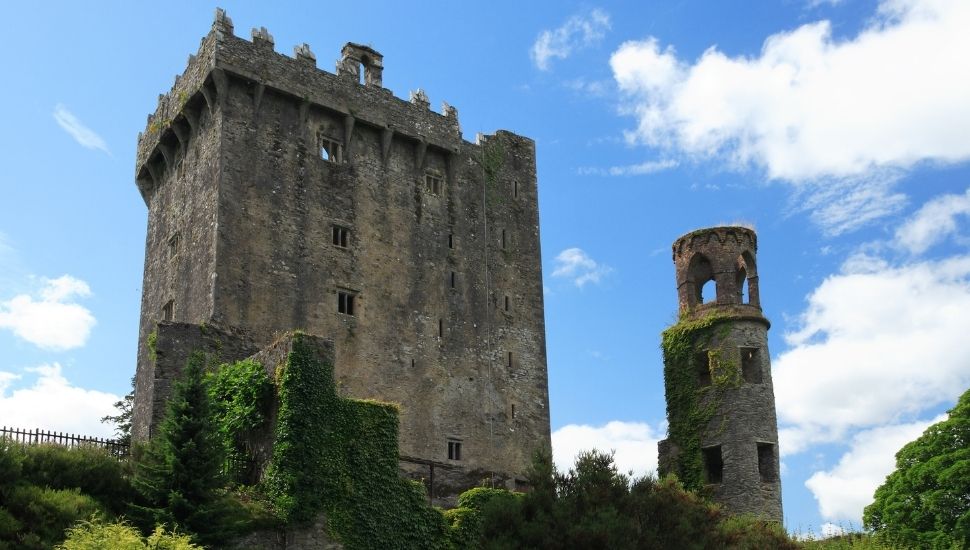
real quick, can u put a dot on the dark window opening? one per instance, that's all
(503, 239)
(767, 466)
(454, 450)
(751, 365)
(451, 240)
(168, 310)
(515, 189)
(702, 364)
(330, 149)
(432, 184)
(412, 363)
(513, 411)
(510, 361)
(506, 303)
(713, 464)
(452, 279)
(340, 236)
(441, 328)
(173, 245)
(345, 302)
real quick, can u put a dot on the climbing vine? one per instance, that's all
(691, 407)
(493, 159)
(242, 394)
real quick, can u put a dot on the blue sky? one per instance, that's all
(840, 130)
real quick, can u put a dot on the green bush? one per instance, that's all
(98, 535)
(46, 514)
(91, 470)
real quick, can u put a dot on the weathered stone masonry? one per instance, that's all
(729, 369)
(282, 197)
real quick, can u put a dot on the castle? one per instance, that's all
(281, 196)
(723, 431)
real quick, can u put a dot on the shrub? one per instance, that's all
(46, 514)
(91, 470)
(98, 535)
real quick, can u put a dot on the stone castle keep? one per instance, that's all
(726, 363)
(281, 196)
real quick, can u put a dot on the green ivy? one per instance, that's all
(340, 456)
(690, 408)
(152, 343)
(242, 394)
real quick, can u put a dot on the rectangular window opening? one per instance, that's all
(767, 465)
(454, 450)
(168, 310)
(432, 184)
(515, 189)
(713, 464)
(330, 149)
(503, 239)
(506, 303)
(513, 411)
(702, 364)
(751, 365)
(173, 245)
(451, 240)
(345, 302)
(340, 236)
(452, 279)
(441, 328)
(510, 361)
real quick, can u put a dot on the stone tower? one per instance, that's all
(723, 434)
(281, 196)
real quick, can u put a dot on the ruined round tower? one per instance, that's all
(723, 434)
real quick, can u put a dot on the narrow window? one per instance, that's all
(515, 189)
(702, 364)
(503, 239)
(510, 360)
(767, 466)
(506, 303)
(751, 365)
(432, 184)
(412, 363)
(168, 310)
(441, 328)
(454, 450)
(345, 302)
(452, 279)
(330, 149)
(713, 464)
(513, 411)
(451, 240)
(340, 236)
(173, 245)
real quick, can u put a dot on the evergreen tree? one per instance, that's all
(122, 420)
(179, 475)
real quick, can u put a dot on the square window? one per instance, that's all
(432, 184)
(767, 465)
(330, 149)
(751, 365)
(702, 364)
(713, 464)
(345, 302)
(168, 310)
(454, 450)
(340, 236)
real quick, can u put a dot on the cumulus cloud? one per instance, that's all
(575, 265)
(814, 110)
(843, 491)
(641, 169)
(54, 321)
(85, 136)
(635, 444)
(579, 31)
(53, 403)
(876, 341)
(933, 223)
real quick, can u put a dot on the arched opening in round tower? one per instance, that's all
(700, 273)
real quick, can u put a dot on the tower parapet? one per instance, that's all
(723, 431)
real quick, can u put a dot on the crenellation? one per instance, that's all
(303, 52)
(263, 37)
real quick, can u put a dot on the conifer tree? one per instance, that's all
(179, 475)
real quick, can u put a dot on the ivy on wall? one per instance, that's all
(690, 406)
(242, 394)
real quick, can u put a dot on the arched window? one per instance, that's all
(700, 274)
(746, 272)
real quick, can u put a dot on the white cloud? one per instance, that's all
(85, 136)
(52, 403)
(933, 223)
(843, 491)
(579, 31)
(814, 110)
(55, 321)
(641, 169)
(576, 265)
(635, 444)
(876, 342)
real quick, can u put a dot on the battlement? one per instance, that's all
(722, 255)
(354, 90)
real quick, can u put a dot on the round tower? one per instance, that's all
(723, 431)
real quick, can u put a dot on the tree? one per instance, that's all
(925, 502)
(122, 420)
(179, 475)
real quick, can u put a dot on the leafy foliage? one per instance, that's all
(241, 393)
(179, 476)
(98, 535)
(925, 502)
(122, 420)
